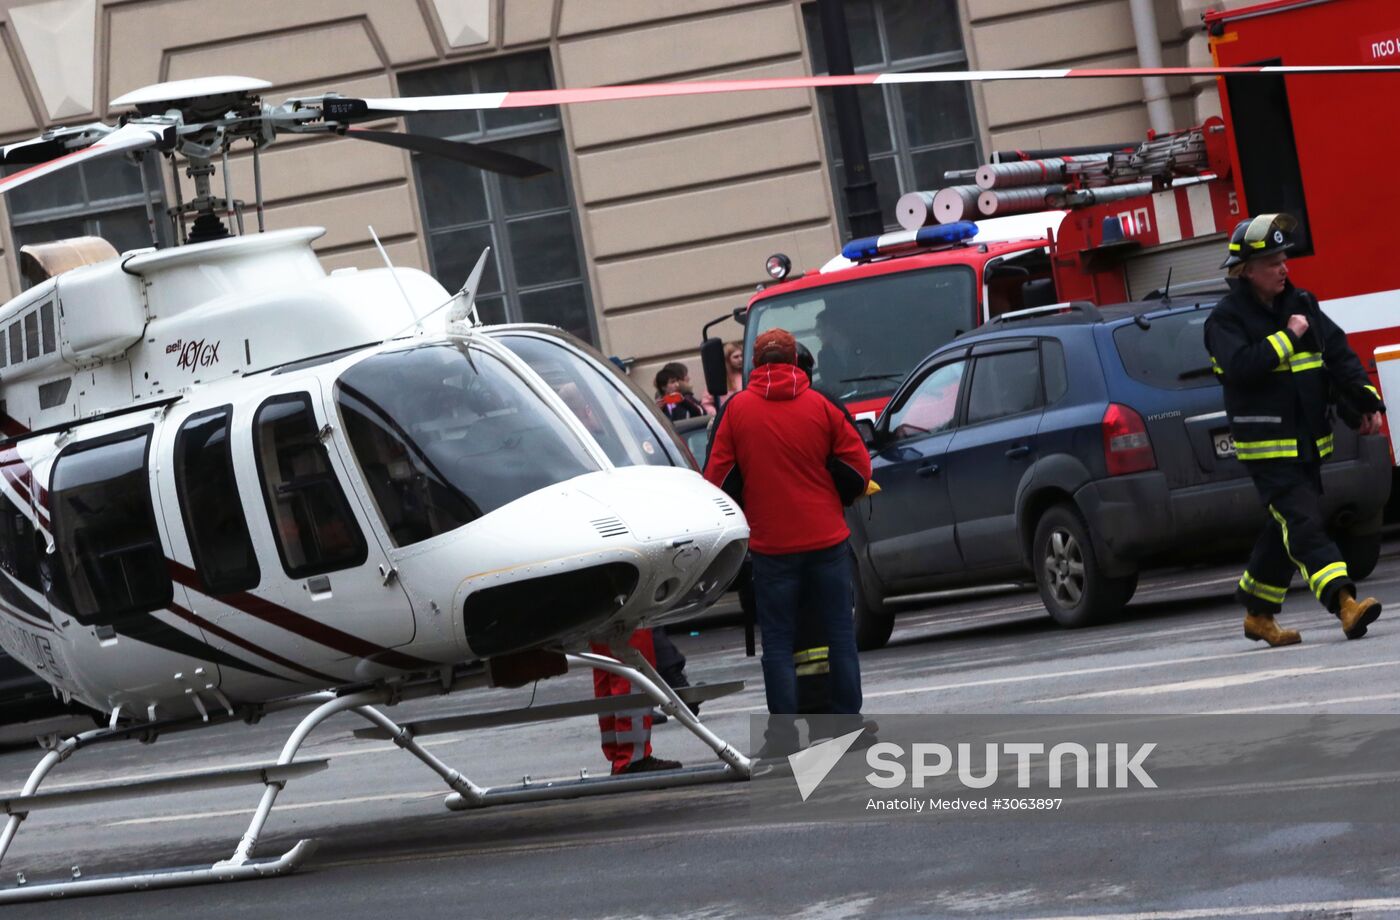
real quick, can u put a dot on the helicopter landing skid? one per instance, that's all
(274, 776)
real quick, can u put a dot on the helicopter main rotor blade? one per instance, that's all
(471, 154)
(346, 108)
(126, 139)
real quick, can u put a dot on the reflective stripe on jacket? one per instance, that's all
(1278, 386)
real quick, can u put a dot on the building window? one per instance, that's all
(97, 198)
(536, 269)
(914, 131)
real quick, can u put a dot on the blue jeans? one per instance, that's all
(815, 583)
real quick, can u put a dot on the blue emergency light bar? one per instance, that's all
(888, 243)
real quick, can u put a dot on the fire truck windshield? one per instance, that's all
(867, 334)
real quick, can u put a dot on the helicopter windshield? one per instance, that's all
(445, 434)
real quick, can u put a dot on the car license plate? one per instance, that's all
(1224, 443)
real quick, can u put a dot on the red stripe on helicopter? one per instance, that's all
(195, 619)
(21, 477)
(300, 624)
(524, 98)
(11, 427)
(653, 90)
(38, 170)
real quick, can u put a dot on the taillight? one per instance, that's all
(1126, 446)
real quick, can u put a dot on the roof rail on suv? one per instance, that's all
(1190, 289)
(1085, 311)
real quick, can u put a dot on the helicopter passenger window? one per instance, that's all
(104, 528)
(445, 434)
(31, 335)
(16, 343)
(616, 424)
(315, 529)
(209, 503)
(46, 326)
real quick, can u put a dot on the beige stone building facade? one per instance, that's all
(662, 212)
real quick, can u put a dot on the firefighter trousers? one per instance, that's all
(626, 734)
(1294, 537)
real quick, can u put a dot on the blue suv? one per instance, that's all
(1077, 446)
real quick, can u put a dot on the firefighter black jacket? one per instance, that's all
(1278, 387)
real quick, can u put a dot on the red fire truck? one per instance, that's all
(1286, 143)
(869, 315)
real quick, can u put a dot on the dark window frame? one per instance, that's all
(1046, 344)
(361, 545)
(105, 615)
(88, 208)
(892, 96)
(901, 398)
(249, 579)
(1039, 404)
(668, 441)
(496, 222)
(1270, 170)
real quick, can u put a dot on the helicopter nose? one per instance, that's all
(618, 546)
(697, 535)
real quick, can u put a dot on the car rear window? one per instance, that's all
(1170, 353)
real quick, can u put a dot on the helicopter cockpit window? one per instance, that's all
(209, 503)
(315, 529)
(616, 424)
(104, 529)
(444, 434)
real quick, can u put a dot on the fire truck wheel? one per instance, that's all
(873, 620)
(1072, 584)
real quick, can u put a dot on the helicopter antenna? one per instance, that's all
(417, 321)
(468, 291)
(467, 295)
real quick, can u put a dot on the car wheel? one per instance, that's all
(1361, 552)
(1072, 584)
(873, 620)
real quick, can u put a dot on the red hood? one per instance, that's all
(778, 382)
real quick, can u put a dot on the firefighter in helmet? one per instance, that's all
(1283, 363)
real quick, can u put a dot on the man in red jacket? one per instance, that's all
(791, 459)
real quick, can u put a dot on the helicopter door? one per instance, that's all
(111, 589)
(211, 556)
(327, 564)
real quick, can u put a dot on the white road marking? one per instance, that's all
(1027, 678)
(1218, 682)
(1338, 701)
(1361, 905)
(232, 812)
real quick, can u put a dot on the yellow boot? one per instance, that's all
(1261, 627)
(1357, 615)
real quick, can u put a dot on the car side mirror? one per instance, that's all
(712, 361)
(868, 434)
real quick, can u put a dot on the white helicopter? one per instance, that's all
(231, 483)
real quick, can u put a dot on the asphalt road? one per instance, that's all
(389, 848)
